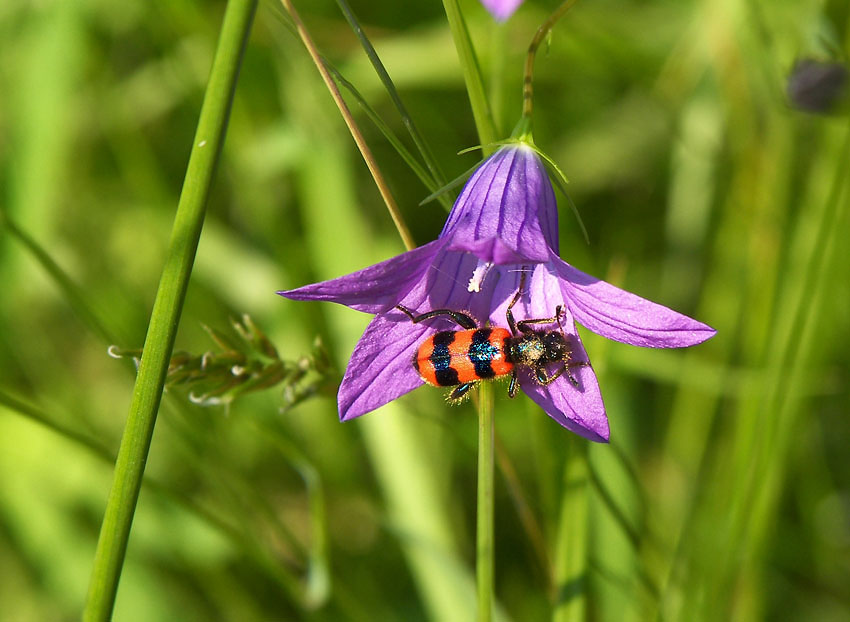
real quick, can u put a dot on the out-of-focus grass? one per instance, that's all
(724, 492)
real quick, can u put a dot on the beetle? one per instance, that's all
(461, 358)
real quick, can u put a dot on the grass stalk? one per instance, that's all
(418, 169)
(418, 140)
(72, 292)
(371, 163)
(571, 545)
(756, 499)
(147, 392)
(484, 541)
(472, 77)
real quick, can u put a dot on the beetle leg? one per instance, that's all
(461, 319)
(513, 385)
(459, 392)
(524, 325)
(509, 314)
(545, 379)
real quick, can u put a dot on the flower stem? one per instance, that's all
(542, 33)
(147, 393)
(472, 76)
(371, 163)
(484, 535)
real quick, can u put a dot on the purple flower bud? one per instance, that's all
(501, 233)
(501, 9)
(817, 86)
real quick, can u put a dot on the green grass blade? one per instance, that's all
(421, 145)
(318, 583)
(147, 393)
(456, 182)
(73, 293)
(570, 558)
(258, 554)
(427, 179)
(525, 511)
(472, 76)
(755, 501)
(33, 413)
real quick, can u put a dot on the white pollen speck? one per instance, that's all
(478, 275)
(202, 143)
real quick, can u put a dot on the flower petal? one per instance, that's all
(501, 9)
(492, 250)
(579, 409)
(381, 366)
(511, 198)
(376, 288)
(448, 285)
(617, 314)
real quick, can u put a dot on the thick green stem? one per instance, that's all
(147, 393)
(472, 76)
(484, 535)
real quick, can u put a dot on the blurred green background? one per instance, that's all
(725, 491)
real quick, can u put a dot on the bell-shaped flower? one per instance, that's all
(502, 232)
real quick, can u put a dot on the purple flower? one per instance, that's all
(501, 9)
(818, 86)
(504, 224)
